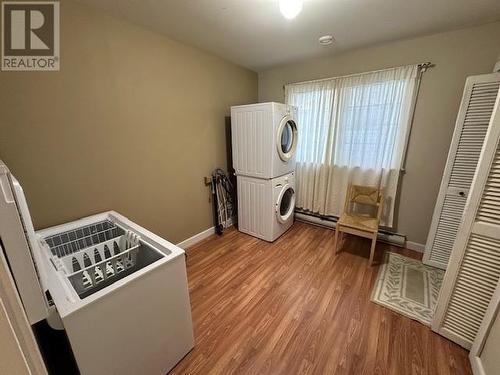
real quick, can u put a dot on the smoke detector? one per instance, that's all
(326, 40)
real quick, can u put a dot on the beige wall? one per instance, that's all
(457, 55)
(132, 122)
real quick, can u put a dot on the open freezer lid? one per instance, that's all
(21, 248)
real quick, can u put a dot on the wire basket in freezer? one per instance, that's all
(95, 256)
(68, 242)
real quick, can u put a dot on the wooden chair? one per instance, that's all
(361, 224)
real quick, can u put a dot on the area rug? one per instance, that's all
(408, 287)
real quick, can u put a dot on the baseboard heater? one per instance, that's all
(386, 236)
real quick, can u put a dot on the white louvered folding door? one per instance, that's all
(472, 123)
(474, 268)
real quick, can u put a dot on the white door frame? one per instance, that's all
(18, 321)
(482, 335)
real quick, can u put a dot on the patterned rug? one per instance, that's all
(408, 287)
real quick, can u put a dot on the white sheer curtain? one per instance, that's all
(351, 129)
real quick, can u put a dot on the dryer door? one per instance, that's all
(285, 204)
(287, 138)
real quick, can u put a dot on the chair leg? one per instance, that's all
(372, 249)
(336, 243)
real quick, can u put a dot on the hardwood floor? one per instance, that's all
(294, 307)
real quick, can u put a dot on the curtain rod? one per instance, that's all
(422, 68)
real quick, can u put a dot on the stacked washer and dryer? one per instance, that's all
(264, 139)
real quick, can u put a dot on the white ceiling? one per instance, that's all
(254, 34)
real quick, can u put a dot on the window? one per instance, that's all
(314, 116)
(368, 125)
(351, 129)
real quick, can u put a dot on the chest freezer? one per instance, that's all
(119, 290)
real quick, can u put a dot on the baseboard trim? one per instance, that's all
(193, 240)
(415, 246)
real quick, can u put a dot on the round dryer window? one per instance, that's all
(287, 138)
(285, 204)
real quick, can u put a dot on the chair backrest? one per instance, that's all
(365, 196)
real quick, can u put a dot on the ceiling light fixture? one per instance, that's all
(325, 40)
(290, 8)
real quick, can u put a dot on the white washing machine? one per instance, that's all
(264, 138)
(266, 207)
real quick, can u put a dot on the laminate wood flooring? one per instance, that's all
(294, 307)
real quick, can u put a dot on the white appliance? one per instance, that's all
(119, 291)
(266, 207)
(264, 139)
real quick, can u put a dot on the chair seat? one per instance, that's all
(365, 223)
